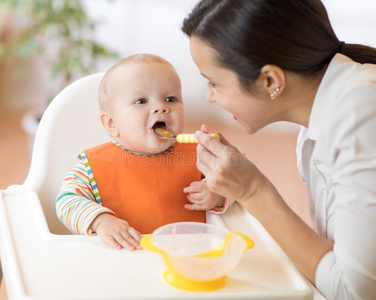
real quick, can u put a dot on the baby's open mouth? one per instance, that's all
(159, 125)
(160, 130)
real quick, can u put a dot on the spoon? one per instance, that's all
(181, 137)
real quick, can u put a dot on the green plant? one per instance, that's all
(58, 31)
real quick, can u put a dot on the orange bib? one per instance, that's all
(145, 191)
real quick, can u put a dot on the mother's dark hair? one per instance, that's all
(295, 35)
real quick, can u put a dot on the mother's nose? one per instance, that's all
(210, 96)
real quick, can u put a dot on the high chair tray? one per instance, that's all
(38, 264)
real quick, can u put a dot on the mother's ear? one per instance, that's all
(273, 80)
(109, 124)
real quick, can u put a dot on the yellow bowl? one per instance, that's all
(198, 256)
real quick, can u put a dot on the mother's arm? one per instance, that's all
(230, 174)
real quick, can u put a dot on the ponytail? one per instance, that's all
(359, 53)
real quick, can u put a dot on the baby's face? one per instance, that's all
(145, 96)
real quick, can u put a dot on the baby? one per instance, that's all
(135, 183)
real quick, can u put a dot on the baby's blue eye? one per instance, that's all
(171, 99)
(141, 101)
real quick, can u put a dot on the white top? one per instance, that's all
(337, 161)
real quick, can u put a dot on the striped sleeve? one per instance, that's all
(76, 205)
(220, 210)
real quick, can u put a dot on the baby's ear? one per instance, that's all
(109, 124)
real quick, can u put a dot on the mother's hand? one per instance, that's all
(228, 172)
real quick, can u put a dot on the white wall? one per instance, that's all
(354, 21)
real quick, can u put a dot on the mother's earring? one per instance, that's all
(274, 94)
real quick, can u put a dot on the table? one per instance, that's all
(38, 264)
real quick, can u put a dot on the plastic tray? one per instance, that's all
(40, 265)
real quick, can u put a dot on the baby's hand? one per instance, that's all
(116, 232)
(201, 197)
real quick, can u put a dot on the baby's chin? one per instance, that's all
(156, 146)
(162, 145)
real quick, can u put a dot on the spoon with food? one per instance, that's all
(181, 137)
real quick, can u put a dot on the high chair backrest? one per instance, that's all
(70, 124)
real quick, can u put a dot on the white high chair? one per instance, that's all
(42, 260)
(69, 125)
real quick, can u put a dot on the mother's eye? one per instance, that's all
(171, 99)
(141, 101)
(211, 84)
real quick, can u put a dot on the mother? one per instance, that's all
(280, 60)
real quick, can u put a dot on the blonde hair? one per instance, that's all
(104, 91)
